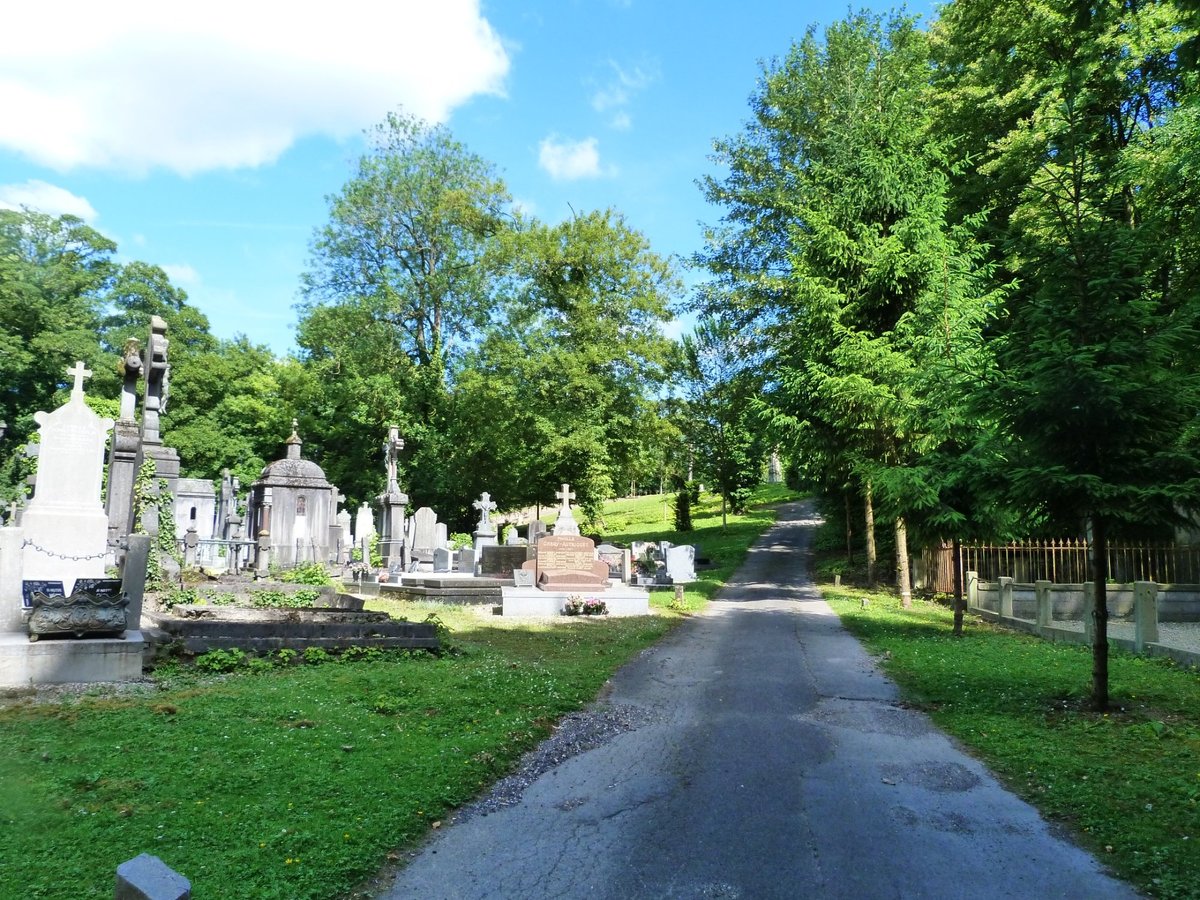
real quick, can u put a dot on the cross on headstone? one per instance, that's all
(566, 495)
(485, 505)
(80, 372)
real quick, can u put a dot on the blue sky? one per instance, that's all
(205, 138)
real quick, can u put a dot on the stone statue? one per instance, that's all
(391, 456)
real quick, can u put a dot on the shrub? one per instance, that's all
(308, 573)
(683, 510)
(218, 661)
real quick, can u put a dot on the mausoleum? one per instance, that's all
(294, 503)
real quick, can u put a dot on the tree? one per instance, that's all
(719, 375)
(400, 282)
(53, 273)
(1097, 386)
(561, 389)
(839, 171)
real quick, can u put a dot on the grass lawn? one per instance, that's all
(300, 780)
(1126, 783)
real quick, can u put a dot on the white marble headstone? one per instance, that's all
(65, 526)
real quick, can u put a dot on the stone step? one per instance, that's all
(268, 644)
(306, 630)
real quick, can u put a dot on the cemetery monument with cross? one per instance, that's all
(52, 565)
(565, 571)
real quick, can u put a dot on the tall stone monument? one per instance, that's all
(392, 502)
(485, 530)
(125, 455)
(66, 529)
(157, 371)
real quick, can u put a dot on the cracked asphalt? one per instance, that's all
(760, 754)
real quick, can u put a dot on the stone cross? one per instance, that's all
(79, 372)
(566, 495)
(485, 505)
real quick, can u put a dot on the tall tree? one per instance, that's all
(720, 372)
(562, 388)
(1099, 384)
(840, 171)
(399, 283)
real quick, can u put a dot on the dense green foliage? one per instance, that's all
(969, 257)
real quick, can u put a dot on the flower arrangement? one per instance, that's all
(578, 606)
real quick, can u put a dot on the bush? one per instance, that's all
(219, 661)
(683, 510)
(308, 573)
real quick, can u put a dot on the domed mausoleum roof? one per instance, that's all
(292, 471)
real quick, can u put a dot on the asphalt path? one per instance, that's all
(767, 756)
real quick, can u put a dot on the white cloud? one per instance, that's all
(193, 86)
(182, 274)
(46, 198)
(615, 95)
(567, 160)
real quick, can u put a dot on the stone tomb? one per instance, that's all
(619, 561)
(502, 561)
(565, 562)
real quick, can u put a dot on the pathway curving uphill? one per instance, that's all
(756, 752)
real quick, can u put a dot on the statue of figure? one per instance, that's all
(391, 456)
(157, 371)
(130, 370)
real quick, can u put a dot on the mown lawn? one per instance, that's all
(301, 780)
(1126, 783)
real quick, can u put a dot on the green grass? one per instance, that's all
(1127, 783)
(298, 781)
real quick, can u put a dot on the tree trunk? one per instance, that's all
(869, 532)
(849, 529)
(960, 604)
(1100, 614)
(903, 575)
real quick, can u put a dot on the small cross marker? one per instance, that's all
(566, 495)
(79, 372)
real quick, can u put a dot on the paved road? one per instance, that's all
(770, 760)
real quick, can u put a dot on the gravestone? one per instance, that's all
(466, 561)
(566, 562)
(147, 877)
(618, 560)
(364, 527)
(565, 524)
(422, 537)
(537, 528)
(681, 564)
(65, 526)
(511, 536)
(345, 540)
(502, 561)
(443, 559)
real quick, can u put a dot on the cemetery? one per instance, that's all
(78, 606)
